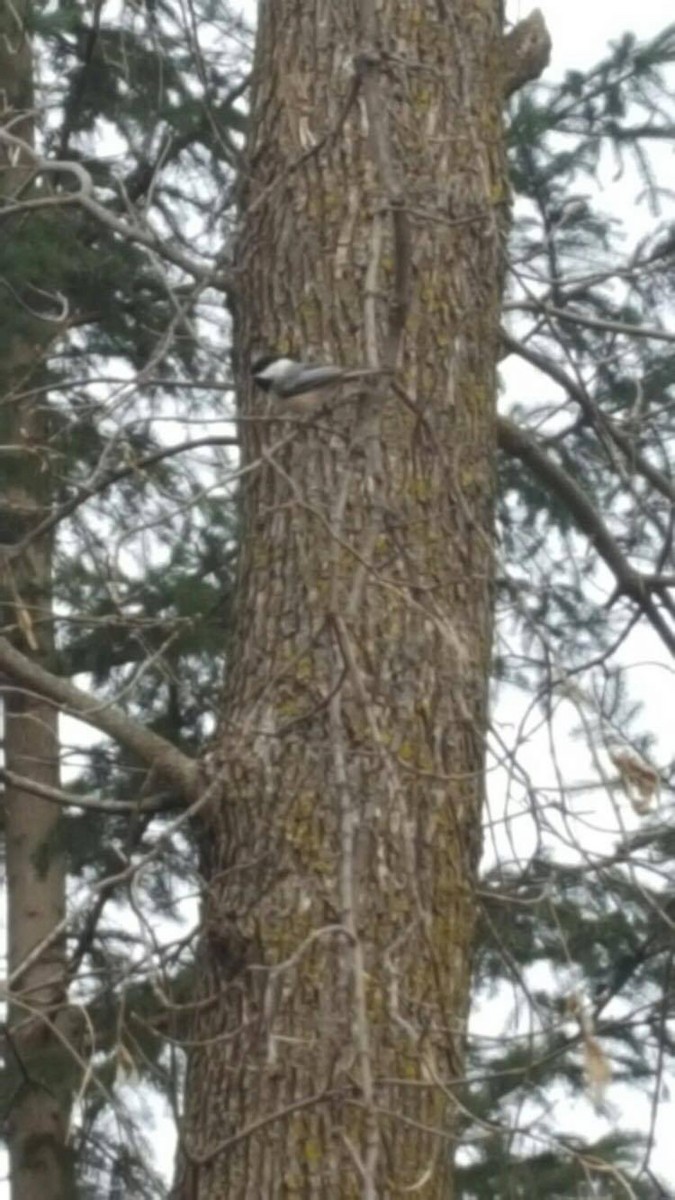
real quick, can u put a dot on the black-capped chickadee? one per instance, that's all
(303, 387)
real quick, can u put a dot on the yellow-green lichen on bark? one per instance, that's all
(356, 701)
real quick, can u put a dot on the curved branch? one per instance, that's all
(652, 474)
(84, 197)
(151, 804)
(168, 762)
(106, 480)
(520, 444)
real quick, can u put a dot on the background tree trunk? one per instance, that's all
(340, 907)
(37, 1107)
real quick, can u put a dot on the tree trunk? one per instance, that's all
(35, 1080)
(340, 865)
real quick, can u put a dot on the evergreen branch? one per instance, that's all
(168, 762)
(139, 181)
(520, 444)
(81, 79)
(633, 133)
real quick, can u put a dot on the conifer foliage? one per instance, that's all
(577, 896)
(118, 142)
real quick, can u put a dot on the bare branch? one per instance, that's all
(625, 444)
(575, 317)
(84, 197)
(106, 479)
(148, 804)
(520, 444)
(169, 763)
(281, 1114)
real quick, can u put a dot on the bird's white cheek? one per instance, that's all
(278, 370)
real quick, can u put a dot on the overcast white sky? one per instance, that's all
(582, 28)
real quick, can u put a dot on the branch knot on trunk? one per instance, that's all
(527, 52)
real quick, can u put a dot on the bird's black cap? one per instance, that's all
(261, 361)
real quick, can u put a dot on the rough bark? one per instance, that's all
(340, 866)
(36, 1092)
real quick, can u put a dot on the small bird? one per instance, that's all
(303, 387)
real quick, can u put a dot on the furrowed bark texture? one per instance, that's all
(340, 906)
(36, 1098)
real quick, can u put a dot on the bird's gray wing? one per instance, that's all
(310, 379)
